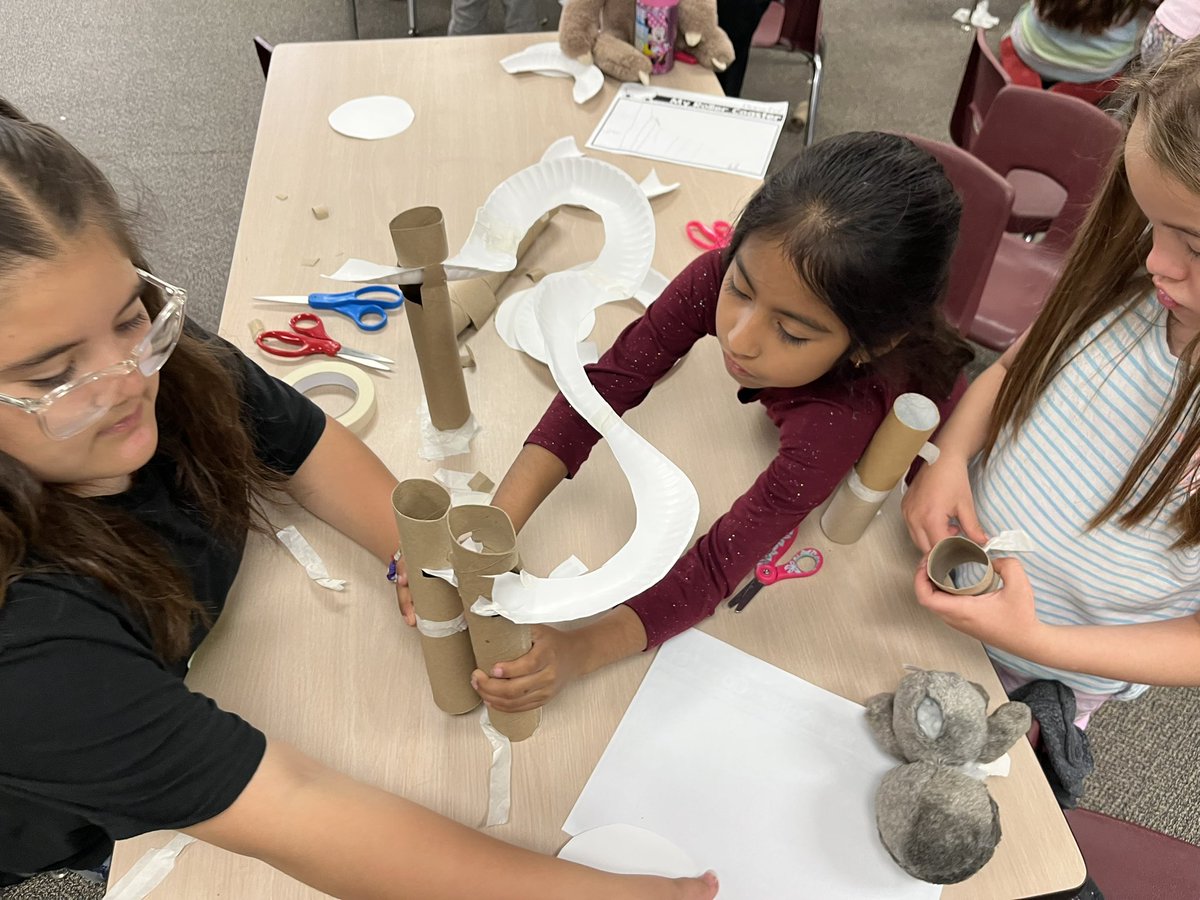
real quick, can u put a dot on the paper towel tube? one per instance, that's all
(339, 374)
(950, 553)
(494, 638)
(419, 237)
(912, 419)
(421, 506)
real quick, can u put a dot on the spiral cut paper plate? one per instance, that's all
(548, 59)
(665, 501)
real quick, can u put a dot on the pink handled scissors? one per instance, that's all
(709, 237)
(308, 336)
(804, 563)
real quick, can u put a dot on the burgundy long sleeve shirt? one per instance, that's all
(824, 427)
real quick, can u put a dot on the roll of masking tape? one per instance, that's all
(339, 374)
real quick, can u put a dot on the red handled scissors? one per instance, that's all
(805, 562)
(709, 237)
(308, 336)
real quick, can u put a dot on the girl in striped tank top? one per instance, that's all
(1086, 434)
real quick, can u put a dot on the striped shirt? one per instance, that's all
(1061, 468)
(1072, 56)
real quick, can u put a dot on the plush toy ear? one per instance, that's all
(879, 719)
(1005, 726)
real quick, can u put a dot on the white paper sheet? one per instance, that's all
(726, 134)
(372, 118)
(757, 774)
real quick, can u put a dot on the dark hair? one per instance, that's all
(1105, 273)
(50, 194)
(1088, 16)
(869, 221)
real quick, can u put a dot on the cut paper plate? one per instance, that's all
(363, 271)
(652, 187)
(372, 118)
(629, 850)
(563, 148)
(548, 59)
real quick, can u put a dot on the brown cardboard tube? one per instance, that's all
(421, 507)
(419, 236)
(473, 301)
(950, 553)
(896, 443)
(494, 638)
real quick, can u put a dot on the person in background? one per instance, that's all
(739, 19)
(470, 16)
(1175, 22)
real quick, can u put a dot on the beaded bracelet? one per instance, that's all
(396, 557)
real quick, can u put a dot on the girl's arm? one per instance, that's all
(350, 840)
(942, 492)
(529, 480)
(345, 484)
(1166, 652)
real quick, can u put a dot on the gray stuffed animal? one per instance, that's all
(938, 823)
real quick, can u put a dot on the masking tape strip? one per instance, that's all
(339, 374)
(442, 629)
(500, 773)
(148, 872)
(862, 492)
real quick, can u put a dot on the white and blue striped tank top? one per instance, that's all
(1061, 468)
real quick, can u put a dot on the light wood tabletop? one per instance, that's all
(338, 674)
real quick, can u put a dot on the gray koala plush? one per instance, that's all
(939, 824)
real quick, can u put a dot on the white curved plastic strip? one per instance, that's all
(665, 500)
(548, 59)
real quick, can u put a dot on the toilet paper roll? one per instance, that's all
(323, 373)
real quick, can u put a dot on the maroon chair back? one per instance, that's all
(1063, 138)
(983, 78)
(986, 201)
(801, 29)
(1128, 862)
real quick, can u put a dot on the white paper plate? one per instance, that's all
(653, 187)
(372, 118)
(548, 59)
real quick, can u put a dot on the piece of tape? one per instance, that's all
(148, 872)
(499, 775)
(442, 629)
(304, 554)
(322, 373)
(437, 444)
(861, 491)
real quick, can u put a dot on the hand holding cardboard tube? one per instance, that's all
(1005, 618)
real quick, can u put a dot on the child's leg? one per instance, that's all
(467, 16)
(520, 16)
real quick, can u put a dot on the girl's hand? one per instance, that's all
(403, 594)
(703, 888)
(531, 680)
(1005, 618)
(939, 498)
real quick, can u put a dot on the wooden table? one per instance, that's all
(339, 675)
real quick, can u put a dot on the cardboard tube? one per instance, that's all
(421, 507)
(913, 418)
(494, 638)
(419, 236)
(473, 301)
(950, 553)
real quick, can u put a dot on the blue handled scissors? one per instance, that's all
(367, 306)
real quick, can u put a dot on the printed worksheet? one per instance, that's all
(725, 134)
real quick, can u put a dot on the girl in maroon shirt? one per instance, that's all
(826, 305)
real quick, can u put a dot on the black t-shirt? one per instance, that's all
(100, 740)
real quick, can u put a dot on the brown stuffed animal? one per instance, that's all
(601, 31)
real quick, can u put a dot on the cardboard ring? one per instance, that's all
(339, 374)
(950, 553)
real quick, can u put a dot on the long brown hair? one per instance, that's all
(49, 195)
(1104, 273)
(1088, 16)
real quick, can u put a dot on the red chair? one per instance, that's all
(1037, 199)
(986, 201)
(1062, 139)
(795, 26)
(1129, 862)
(1089, 92)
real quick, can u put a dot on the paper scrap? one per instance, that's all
(652, 187)
(437, 444)
(480, 482)
(548, 59)
(979, 16)
(563, 148)
(1014, 541)
(148, 872)
(372, 118)
(997, 768)
(320, 213)
(725, 134)
(629, 850)
(463, 486)
(499, 774)
(364, 271)
(281, 196)
(777, 793)
(310, 261)
(304, 554)
(466, 357)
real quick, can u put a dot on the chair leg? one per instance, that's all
(412, 17)
(264, 50)
(810, 127)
